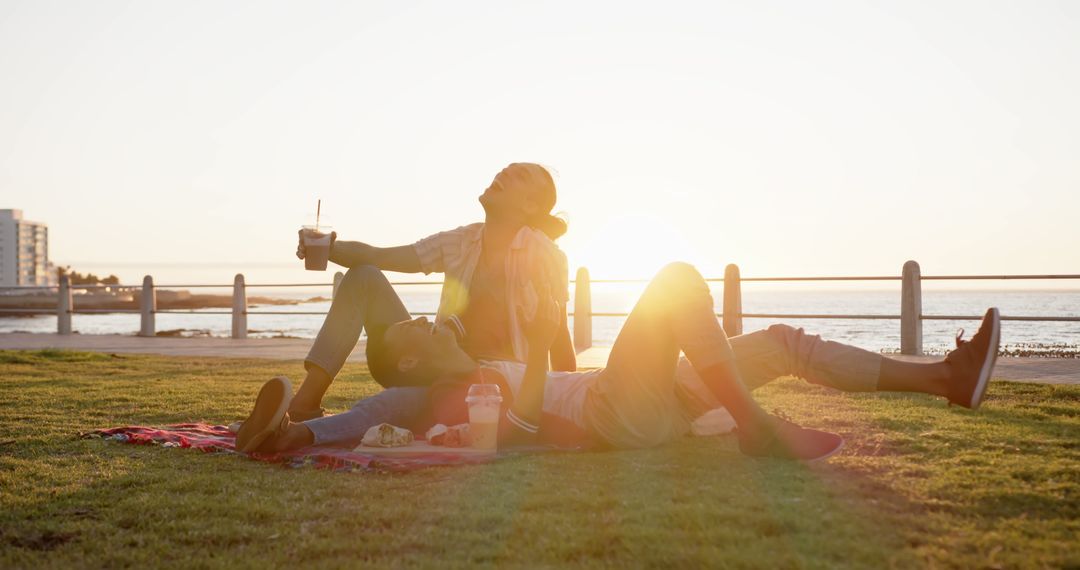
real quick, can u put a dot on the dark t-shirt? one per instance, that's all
(486, 317)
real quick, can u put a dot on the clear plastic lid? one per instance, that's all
(324, 229)
(479, 392)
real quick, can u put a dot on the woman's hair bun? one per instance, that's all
(553, 226)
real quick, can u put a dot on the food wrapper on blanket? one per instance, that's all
(453, 436)
(386, 435)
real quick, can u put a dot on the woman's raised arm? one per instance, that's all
(402, 258)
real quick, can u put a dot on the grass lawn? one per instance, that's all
(918, 485)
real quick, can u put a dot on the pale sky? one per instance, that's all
(797, 138)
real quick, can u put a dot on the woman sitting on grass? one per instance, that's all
(636, 400)
(490, 268)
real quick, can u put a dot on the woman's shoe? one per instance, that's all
(269, 416)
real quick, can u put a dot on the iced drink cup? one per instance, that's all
(485, 403)
(316, 248)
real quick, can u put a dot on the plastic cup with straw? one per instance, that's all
(317, 243)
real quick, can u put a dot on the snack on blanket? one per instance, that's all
(386, 435)
(436, 434)
(453, 436)
(458, 436)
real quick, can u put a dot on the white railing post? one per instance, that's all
(148, 305)
(732, 301)
(338, 276)
(582, 310)
(239, 307)
(911, 310)
(63, 306)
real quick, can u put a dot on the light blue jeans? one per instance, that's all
(364, 297)
(397, 406)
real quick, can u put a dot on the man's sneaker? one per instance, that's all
(973, 361)
(786, 440)
(268, 417)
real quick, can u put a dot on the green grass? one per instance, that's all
(918, 485)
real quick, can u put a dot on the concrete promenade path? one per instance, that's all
(1019, 369)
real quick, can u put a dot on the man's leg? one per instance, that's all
(634, 404)
(364, 298)
(782, 350)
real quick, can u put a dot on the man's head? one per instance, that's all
(414, 353)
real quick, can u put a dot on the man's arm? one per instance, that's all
(529, 402)
(563, 355)
(524, 414)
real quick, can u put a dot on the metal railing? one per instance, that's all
(911, 316)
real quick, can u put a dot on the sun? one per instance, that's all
(629, 246)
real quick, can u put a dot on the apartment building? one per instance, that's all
(24, 251)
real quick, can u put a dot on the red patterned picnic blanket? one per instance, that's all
(218, 439)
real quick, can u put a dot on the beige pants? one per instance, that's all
(648, 395)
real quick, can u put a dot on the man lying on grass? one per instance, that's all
(636, 400)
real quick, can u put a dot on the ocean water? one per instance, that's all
(877, 335)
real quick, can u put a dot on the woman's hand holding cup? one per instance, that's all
(314, 247)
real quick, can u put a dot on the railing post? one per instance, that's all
(582, 310)
(239, 307)
(911, 309)
(63, 306)
(338, 276)
(732, 301)
(148, 305)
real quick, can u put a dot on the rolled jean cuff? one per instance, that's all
(322, 433)
(323, 363)
(335, 430)
(867, 373)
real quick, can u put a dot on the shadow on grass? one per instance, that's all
(693, 503)
(916, 485)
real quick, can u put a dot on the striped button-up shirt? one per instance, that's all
(533, 259)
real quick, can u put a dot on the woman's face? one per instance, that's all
(510, 192)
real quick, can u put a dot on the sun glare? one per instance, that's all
(628, 246)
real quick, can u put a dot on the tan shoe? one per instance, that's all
(268, 417)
